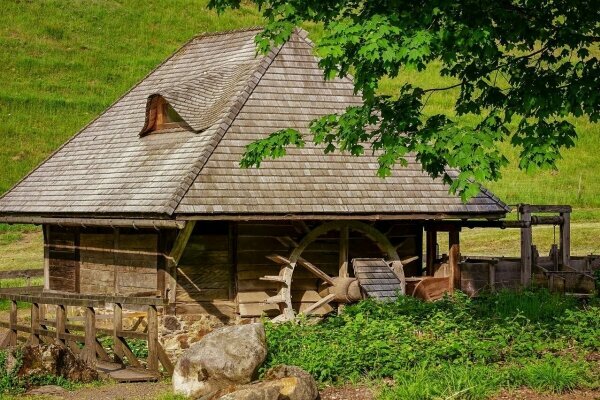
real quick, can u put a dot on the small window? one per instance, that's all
(161, 116)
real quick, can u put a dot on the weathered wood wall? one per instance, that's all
(221, 266)
(104, 261)
(62, 245)
(205, 278)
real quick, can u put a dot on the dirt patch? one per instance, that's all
(347, 393)
(528, 394)
(118, 391)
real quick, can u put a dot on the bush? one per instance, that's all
(456, 347)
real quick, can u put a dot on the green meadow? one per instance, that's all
(65, 61)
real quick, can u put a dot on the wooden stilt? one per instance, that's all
(526, 241)
(454, 258)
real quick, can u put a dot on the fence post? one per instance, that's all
(35, 324)
(61, 324)
(152, 362)
(12, 335)
(89, 350)
(117, 327)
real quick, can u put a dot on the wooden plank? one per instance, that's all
(528, 209)
(165, 360)
(35, 324)
(565, 239)
(325, 300)
(343, 252)
(117, 327)
(88, 354)
(316, 271)
(131, 358)
(526, 256)
(61, 322)
(152, 361)
(22, 273)
(181, 241)
(12, 333)
(454, 257)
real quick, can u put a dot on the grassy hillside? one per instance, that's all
(64, 61)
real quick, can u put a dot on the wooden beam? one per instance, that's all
(181, 242)
(526, 242)
(95, 222)
(528, 209)
(312, 308)
(343, 253)
(117, 327)
(12, 334)
(61, 322)
(46, 234)
(152, 361)
(431, 251)
(565, 239)
(88, 354)
(35, 324)
(454, 258)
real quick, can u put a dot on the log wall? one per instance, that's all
(205, 272)
(62, 259)
(103, 261)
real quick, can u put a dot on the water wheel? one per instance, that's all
(337, 289)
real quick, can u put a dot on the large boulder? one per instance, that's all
(56, 360)
(226, 357)
(281, 383)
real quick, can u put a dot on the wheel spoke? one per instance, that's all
(325, 300)
(316, 271)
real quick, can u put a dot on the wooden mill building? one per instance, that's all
(149, 199)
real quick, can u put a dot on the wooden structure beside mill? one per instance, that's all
(148, 200)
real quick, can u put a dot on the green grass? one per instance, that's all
(454, 348)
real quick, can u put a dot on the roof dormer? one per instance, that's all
(161, 116)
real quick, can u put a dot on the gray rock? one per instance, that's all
(281, 383)
(228, 356)
(297, 384)
(260, 391)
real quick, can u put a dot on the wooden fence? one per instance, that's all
(87, 345)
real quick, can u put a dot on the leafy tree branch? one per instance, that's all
(545, 53)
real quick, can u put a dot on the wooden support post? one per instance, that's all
(565, 240)
(454, 258)
(61, 323)
(117, 327)
(526, 241)
(152, 362)
(343, 256)
(431, 251)
(35, 324)
(12, 335)
(492, 277)
(46, 232)
(89, 350)
(174, 256)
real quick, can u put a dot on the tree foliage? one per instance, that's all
(522, 68)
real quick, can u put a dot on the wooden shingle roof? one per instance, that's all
(229, 97)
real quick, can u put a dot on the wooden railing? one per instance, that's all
(69, 333)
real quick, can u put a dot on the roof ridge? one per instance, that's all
(224, 124)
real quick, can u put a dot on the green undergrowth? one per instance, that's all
(454, 348)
